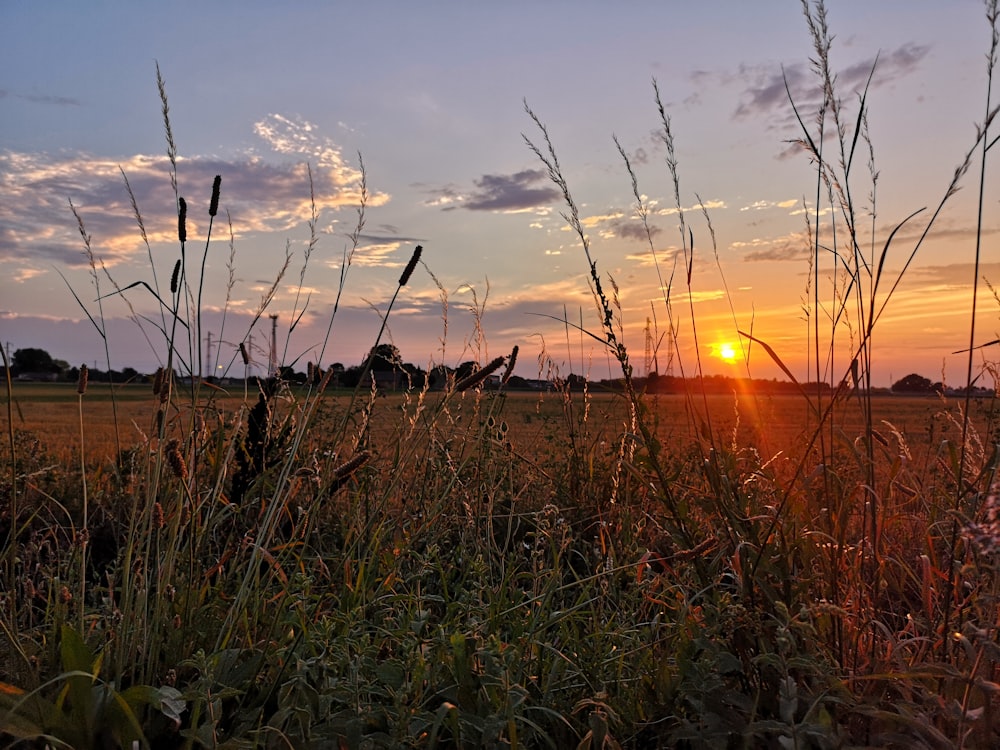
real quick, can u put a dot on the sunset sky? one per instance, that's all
(432, 95)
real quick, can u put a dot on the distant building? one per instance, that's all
(388, 380)
(38, 377)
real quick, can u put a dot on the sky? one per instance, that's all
(427, 102)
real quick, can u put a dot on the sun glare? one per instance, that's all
(726, 352)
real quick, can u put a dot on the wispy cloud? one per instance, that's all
(794, 246)
(955, 274)
(763, 205)
(672, 210)
(59, 101)
(665, 257)
(447, 198)
(20, 275)
(261, 195)
(767, 88)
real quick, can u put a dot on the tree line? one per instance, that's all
(385, 363)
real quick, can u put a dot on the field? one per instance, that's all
(776, 425)
(277, 566)
(492, 566)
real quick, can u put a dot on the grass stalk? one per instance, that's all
(84, 536)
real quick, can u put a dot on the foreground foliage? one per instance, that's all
(306, 571)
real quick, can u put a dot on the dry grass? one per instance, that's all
(300, 567)
(774, 424)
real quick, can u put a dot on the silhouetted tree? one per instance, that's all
(912, 383)
(32, 360)
(384, 358)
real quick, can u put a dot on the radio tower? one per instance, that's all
(272, 360)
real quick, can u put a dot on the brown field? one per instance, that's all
(773, 424)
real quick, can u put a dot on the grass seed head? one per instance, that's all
(213, 205)
(511, 361)
(176, 460)
(408, 271)
(175, 276)
(326, 380)
(182, 212)
(81, 383)
(198, 433)
(343, 471)
(471, 381)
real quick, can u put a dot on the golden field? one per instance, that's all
(775, 425)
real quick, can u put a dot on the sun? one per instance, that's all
(726, 352)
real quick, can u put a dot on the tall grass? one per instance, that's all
(451, 569)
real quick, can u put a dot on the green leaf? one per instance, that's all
(167, 700)
(77, 661)
(74, 652)
(392, 674)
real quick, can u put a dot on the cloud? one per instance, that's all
(762, 205)
(672, 210)
(20, 275)
(634, 230)
(514, 192)
(384, 254)
(767, 90)
(696, 297)
(365, 239)
(666, 258)
(61, 101)
(446, 198)
(955, 275)
(793, 246)
(286, 135)
(639, 156)
(261, 195)
(596, 220)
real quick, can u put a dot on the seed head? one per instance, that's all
(175, 276)
(176, 460)
(511, 361)
(326, 380)
(182, 213)
(408, 271)
(343, 471)
(244, 353)
(471, 381)
(81, 383)
(199, 426)
(158, 381)
(213, 205)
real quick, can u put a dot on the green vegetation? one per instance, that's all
(293, 569)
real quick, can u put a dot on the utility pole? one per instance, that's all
(272, 364)
(208, 354)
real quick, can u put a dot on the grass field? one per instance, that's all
(772, 424)
(496, 565)
(291, 567)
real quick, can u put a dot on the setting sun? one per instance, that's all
(726, 352)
